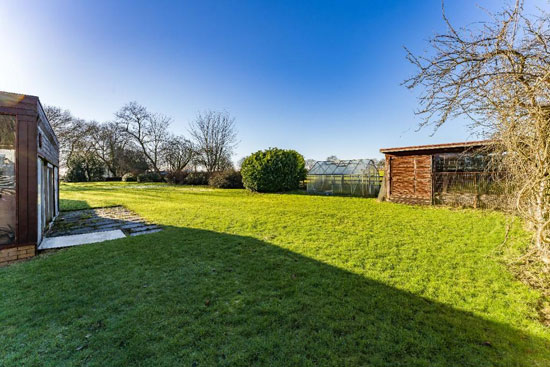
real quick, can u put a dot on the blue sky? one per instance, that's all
(321, 77)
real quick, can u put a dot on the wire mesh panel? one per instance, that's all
(466, 179)
(358, 177)
(467, 182)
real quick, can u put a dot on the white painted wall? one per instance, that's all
(40, 200)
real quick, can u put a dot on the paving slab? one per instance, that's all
(80, 227)
(99, 220)
(79, 239)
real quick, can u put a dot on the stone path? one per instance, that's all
(79, 222)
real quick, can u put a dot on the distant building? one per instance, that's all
(453, 174)
(356, 177)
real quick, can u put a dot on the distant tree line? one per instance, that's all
(138, 141)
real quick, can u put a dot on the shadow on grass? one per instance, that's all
(193, 297)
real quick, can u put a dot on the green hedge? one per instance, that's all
(273, 170)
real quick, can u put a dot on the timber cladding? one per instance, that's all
(24, 108)
(34, 140)
(409, 178)
(410, 171)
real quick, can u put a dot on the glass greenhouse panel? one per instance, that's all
(358, 177)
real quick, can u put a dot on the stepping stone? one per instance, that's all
(145, 232)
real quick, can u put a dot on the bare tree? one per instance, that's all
(215, 137)
(380, 163)
(108, 142)
(497, 74)
(310, 163)
(332, 158)
(73, 133)
(240, 163)
(178, 153)
(148, 131)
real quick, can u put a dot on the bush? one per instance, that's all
(229, 179)
(75, 172)
(129, 177)
(84, 167)
(113, 178)
(197, 178)
(273, 170)
(177, 177)
(149, 177)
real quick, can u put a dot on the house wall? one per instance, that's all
(24, 109)
(29, 116)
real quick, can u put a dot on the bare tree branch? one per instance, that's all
(497, 74)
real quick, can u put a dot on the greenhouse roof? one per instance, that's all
(344, 167)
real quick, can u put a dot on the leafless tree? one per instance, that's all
(497, 74)
(108, 142)
(310, 163)
(178, 153)
(380, 163)
(149, 131)
(240, 163)
(73, 133)
(332, 158)
(215, 137)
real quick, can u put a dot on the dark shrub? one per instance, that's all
(113, 178)
(75, 172)
(197, 178)
(229, 179)
(85, 167)
(273, 170)
(149, 177)
(177, 177)
(129, 177)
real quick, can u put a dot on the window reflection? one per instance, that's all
(461, 162)
(7, 180)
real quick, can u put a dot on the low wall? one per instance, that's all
(12, 254)
(409, 200)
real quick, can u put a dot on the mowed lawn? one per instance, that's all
(264, 279)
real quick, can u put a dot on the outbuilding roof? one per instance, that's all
(467, 144)
(341, 167)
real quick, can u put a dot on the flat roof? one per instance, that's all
(466, 144)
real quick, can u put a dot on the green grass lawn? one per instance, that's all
(264, 279)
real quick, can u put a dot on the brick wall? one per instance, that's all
(13, 254)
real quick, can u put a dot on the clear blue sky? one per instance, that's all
(321, 77)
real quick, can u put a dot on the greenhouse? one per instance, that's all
(357, 177)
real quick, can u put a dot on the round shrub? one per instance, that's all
(229, 179)
(129, 177)
(273, 170)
